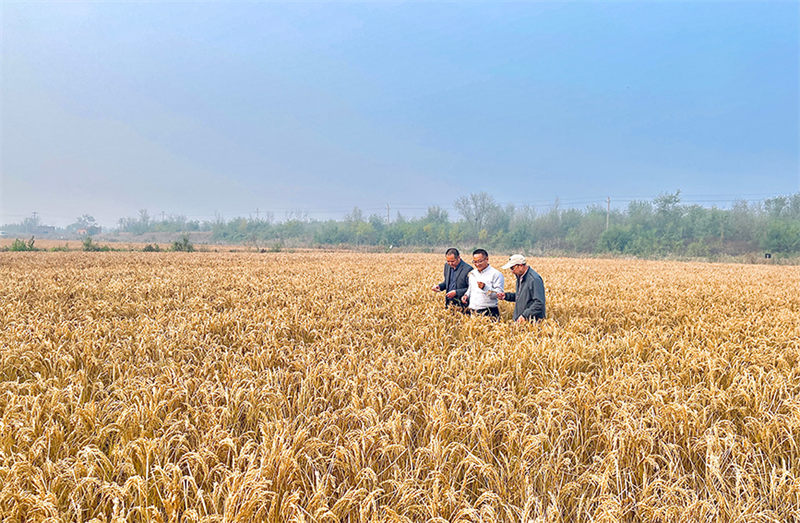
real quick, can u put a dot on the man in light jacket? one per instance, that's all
(529, 296)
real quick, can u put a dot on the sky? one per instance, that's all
(211, 109)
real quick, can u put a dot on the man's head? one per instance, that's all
(480, 258)
(452, 257)
(517, 264)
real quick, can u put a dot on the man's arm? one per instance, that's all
(498, 282)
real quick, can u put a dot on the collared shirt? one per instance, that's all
(486, 297)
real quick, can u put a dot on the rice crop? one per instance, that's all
(335, 387)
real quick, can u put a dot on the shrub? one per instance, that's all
(151, 247)
(20, 245)
(698, 249)
(183, 245)
(89, 245)
(615, 239)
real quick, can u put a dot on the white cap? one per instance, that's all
(515, 259)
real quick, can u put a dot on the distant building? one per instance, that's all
(89, 231)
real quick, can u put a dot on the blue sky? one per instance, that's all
(224, 108)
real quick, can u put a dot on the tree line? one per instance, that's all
(663, 226)
(659, 227)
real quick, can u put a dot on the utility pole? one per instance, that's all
(387, 214)
(608, 210)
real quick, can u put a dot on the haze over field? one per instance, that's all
(232, 109)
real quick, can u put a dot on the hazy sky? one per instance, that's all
(204, 108)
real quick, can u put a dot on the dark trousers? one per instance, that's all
(492, 312)
(456, 303)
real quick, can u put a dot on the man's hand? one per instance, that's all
(501, 295)
(481, 285)
(435, 288)
(521, 319)
(464, 299)
(451, 294)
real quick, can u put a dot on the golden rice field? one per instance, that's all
(334, 387)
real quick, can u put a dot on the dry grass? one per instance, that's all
(329, 387)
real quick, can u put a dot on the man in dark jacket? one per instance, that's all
(455, 278)
(529, 297)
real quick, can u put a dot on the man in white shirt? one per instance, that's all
(484, 283)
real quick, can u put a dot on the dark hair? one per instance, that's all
(480, 251)
(453, 251)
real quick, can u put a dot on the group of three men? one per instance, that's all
(478, 290)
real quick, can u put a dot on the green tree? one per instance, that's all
(477, 209)
(616, 239)
(782, 236)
